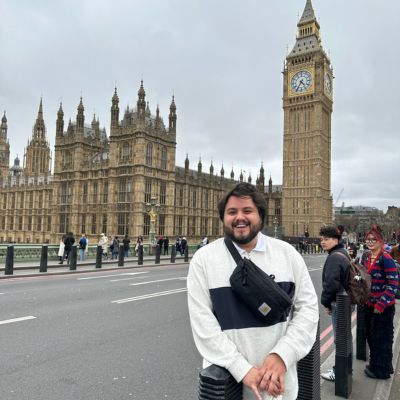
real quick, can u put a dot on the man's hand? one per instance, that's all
(253, 379)
(273, 380)
(328, 311)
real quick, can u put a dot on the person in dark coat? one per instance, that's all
(335, 276)
(125, 242)
(68, 242)
(183, 245)
(166, 245)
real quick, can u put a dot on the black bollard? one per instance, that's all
(140, 255)
(9, 269)
(44, 258)
(121, 256)
(186, 254)
(343, 339)
(73, 255)
(308, 373)
(99, 256)
(173, 253)
(361, 338)
(158, 254)
(217, 383)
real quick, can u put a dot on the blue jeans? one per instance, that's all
(82, 254)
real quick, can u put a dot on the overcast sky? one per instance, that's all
(222, 59)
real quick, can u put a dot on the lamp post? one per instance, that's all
(276, 224)
(153, 209)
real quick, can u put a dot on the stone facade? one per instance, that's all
(102, 183)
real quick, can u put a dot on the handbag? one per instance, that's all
(264, 298)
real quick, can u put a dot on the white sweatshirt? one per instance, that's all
(234, 341)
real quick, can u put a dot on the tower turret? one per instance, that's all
(60, 122)
(172, 116)
(114, 112)
(80, 118)
(141, 104)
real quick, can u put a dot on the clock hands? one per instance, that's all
(300, 83)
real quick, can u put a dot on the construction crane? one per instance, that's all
(338, 198)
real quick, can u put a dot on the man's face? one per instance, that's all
(328, 243)
(242, 221)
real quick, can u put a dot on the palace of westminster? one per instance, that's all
(102, 183)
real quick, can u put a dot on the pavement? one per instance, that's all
(363, 388)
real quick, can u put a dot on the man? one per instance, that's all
(225, 332)
(82, 247)
(68, 242)
(103, 242)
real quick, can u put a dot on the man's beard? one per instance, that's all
(245, 239)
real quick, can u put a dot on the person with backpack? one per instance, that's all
(68, 242)
(335, 276)
(380, 307)
(82, 247)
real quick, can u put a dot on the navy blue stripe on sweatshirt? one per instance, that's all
(232, 313)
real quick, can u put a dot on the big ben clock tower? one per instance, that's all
(307, 105)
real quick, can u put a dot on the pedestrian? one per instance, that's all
(261, 355)
(166, 245)
(125, 243)
(139, 242)
(178, 245)
(61, 249)
(352, 250)
(160, 243)
(335, 276)
(82, 247)
(183, 245)
(68, 242)
(103, 242)
(380, 308)
(114, 247)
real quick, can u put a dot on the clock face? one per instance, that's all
(328, 84)
(301, 81)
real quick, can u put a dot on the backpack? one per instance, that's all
(359, 284)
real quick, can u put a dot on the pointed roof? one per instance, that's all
(115, 95)
(141, 92)
(4, 119)
(308, 14)
(172, 107)
(60, 112)
(80, 106)
(40, 112)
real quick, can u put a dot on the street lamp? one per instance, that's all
(153, 209)
(276, 224)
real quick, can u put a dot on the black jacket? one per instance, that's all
(335, 275)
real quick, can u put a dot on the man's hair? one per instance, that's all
(332, 231)
(244, 189)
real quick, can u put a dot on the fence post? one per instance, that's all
(308, 373)
(173, 253)
(186, 254)
(9, 269)
(140, 255)
(72, 258)
(44, 258)
(217, 383)
(343, 339)
(361, 338)
(99, 256)
(158, 254)
(121, 256)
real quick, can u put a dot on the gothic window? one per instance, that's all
(11, 227)
(126, 151)
(41, 200)
(66, 193)
(205, 199)
(50, 198)
(20, 223)
(94, 224)
(95, 190)
(163, 160)
(125, 190)
(64, 222)
(149, 154)
(147, 190)
(13, 201)
(204, 226)
(39, 223)
(85, 193)
(215, 226)
(163, 191)
(146, 224)
(21, 199)
(31, 200)
(67, 160)
(3, 223)
(83, 223)
(49, 224)
(178, 224)
(105, 193)
(192, 226)
(4, 201)
(161, 224)
(179, 195)
(123, 224)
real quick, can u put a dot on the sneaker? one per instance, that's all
(329, 375)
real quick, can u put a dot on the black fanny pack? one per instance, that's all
(257, 290)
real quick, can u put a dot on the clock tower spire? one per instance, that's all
(307, 105)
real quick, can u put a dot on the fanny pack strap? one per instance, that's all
(233, 250)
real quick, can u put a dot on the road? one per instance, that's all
(104, 335)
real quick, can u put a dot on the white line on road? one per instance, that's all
(183, 278)
(110, 276)
(149, 296)
(9, 321)
(314, 269)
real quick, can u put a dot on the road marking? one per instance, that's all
(149, 296)
(110, 276)
(9, 321)
(314, 269)
(183, 278)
